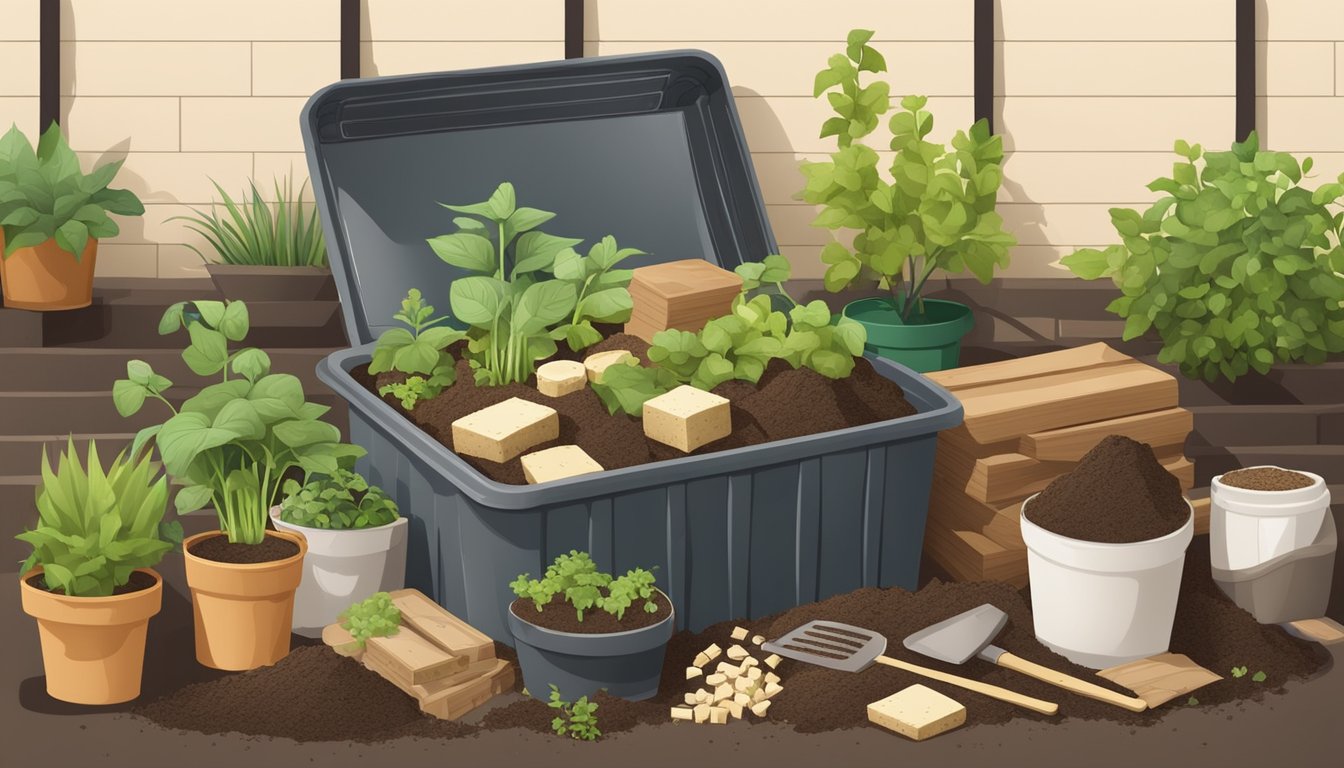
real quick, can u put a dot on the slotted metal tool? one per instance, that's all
(971, 633)
(853, 649)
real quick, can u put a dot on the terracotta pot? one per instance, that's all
(93, 648)
(243, 612)
(44, 277)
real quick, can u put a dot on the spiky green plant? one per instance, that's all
(261, 234)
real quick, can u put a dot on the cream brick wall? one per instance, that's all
(1301, 105)
(18, 65)
(406, 36)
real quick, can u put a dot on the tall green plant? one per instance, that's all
(94, 528)
(935, 208)
(45, 195)
(231, 443)
(253, 232)
(1238, 266)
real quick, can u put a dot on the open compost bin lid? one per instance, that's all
(647, 148)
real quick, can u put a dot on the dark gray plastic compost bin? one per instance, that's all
(647, 148)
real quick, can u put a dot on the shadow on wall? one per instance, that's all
(1262, 73)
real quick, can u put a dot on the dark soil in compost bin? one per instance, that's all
(218, 549)
(1119, 493)
(560, 616)
(1267, 479)
(139, 581)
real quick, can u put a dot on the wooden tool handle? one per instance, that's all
(1069, 683)
(992, 691)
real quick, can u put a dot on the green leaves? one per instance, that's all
(626, 388)
(376, 616)
(254, 231)
(420, 350)
(576, 720)
(471, 252)
(343, 500)
(576, 576)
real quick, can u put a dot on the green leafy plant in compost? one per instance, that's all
(584, 587)
(577, 720)
(231, 443)
(1237, 266)
(526, 289)
(1239, 671)
(342, 500)
(420, 350)
(376, 616)
(627, 385)
(256, 233)
(934, 209)
(1258, 677)
(95, 527)
(44, 195)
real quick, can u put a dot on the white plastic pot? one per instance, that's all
(1098, 604)
(344, 567)
(1247, 528)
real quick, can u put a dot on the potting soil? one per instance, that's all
(561, 616)
(1118, 493)
(137, 582)
(218, 549)
(1266, 479)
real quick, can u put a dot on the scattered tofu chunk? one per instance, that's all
(718, 715)
(729, 670)
(757, 639)
(750, 661)
(692, 699)
(771, 677)
(687, 418)
(713, 651)
(758, 695)
(694, 672)
(773, 660)
(701, 713)
(702, 696)
(504, 430)
(739, 633)
(716, 679)
(734, 709)
(754, 674)
(758, 709)
(561, 377)
(917, 712)
(700, 659)
(772, 688)
(594, 365)
(741, 699)
(682, 713)
(743, 684)
(558, 463)
(724, 691)
(737, 653)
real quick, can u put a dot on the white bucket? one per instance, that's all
(343, 567)
(1247, 528)
(1099, 604)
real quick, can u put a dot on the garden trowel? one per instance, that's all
(971, 633)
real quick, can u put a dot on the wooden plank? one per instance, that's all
(341, 641)
(1033, 366)
(1324, 630)
(1201, 515)
(441, 627)
(1009, 476)
(455, 701)
(968, 556)
(1161, 678)
(414, 658)
(953, 509)
(1071, 443)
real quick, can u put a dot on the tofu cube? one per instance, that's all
(691, 699)
(772, 660)
(694, 672)
(772, 688)
(594, 365)
(917, 712)
(718, 715)
(682, 713)
(558, 463)
(743, 684)
(771, 677)
(687, 418)
(701, 712)
(729, 670)
(504, 430)
(750, 661)
(724, 691)
(702, 696)
(713, 651)
(754, 674)
(758, 709)
(741, 699)
(561, 377)
(737, 653)
(734, 709)
(739, 633)
(757, 639)
(716, 679)
(700, 659)
(758, 695)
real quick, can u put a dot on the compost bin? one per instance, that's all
(648, 148)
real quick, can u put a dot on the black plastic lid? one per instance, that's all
(647, 148)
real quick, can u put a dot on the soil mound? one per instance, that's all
(1267, 479)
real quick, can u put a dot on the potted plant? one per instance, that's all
(90, 581)
(582, 631)
(51, 217)
(1237, 266)
(231, 445)
(356, 544)
(934, 210)
(265, 251)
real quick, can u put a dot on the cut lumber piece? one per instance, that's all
(1161, 678)
(441, 627)
(996, 412)
(342, 642)
(413, 658)
(1201, 514)
(1013, 476)
(954, 510)
(1167, 427)
(969, 556)
(1034, 366)
(456, 701)
(1324, 630)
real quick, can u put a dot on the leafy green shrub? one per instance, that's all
(93, 527)
(45, 195)
(376, 616)
(340, 501)
(935, 209)
(1237, 266)
(231, 443)
(575, 576)
(420, 351)
(576, 720)
(250, 233)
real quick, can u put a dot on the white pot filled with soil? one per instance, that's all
(1260, 513)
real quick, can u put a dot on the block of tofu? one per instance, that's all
(692, 672)
(504, 430)
(687, 418)
(741, 699)
(757, 639)
(691, 699)
(772, 688)
(758, 709)
(739, 633)
(743, 684)
(723, 691)
(682, 713)
(716, 679)
(917, 712)
(712, 652)
(701, 712)
(594, 365)
(734, 708)
(718, 715)
(561, 377)
(737, 653)
(773, 660)
(558, 463)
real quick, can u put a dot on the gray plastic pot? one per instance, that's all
(1289, 587)
(625, 664)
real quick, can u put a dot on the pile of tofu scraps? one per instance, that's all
(736, 686)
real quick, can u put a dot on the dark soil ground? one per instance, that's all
(218, 549)
(785, 403)
(561, 616)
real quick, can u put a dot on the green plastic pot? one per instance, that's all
(932, 344)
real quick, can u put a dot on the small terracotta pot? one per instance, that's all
(45, 278)
(243, 612)
(93, 648)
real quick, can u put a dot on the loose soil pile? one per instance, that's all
(1117, 494)
(1267, 479)
(561, 616)
(218, 549)
(138, 581)
(785, 403)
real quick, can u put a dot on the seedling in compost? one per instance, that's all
(340, 501)
(420, 351)
(575, 575)
(1239, 671)
(375, 617)
(576, 720)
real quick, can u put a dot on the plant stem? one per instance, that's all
(930, 264)
(500, 274)
(785, 294)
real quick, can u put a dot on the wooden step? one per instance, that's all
(46, 413)
(1269, 424)
(22, 454)
(52, 369)
(1157, 428)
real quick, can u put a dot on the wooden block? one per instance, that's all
(561, 377)
(1161, 678)
(441, 627)
(1034, 366)
(687, 418)
(414, 658)
(1324, 630)
(1202, 507)
(950, 507)
(689, 277)
(458, 700)
(504, 430)
(969, 556)
(1013, 476)
(1167, 427)
(917, 712)
(341, 641)
(558, 463)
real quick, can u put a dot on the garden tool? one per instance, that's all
(853, 649)
(970, 634)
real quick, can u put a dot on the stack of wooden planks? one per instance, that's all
(679, 294)
(435, 658)
(1028, 421)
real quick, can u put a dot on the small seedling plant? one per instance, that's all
(343, 500)
(577, 720)
(376, 616)
(584, 587)
(418, 350)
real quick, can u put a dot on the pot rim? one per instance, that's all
(297, 538)
(87, 601)
(1106, 557)
(567, 641)
(1306, 494)
(261, 269)
(275, 517)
